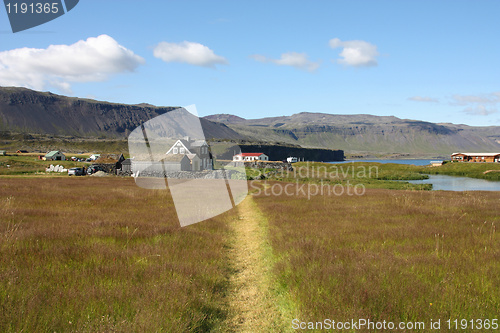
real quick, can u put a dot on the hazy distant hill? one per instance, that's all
(367, 133)
(225, 118)
(25, 110)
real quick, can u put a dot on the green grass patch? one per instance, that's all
(30, 164)
(488, 171)
(368, 174)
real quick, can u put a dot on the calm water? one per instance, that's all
(402, 161)
(443, 182)
(452, 183)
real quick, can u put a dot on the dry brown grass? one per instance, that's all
(102, 255)
(91, 254)
(388, 255)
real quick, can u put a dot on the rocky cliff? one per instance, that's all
(28, 111)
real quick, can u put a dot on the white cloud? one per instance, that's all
(492, 98)
(294, 59)
(423, 99)
(479, 110)
(356, 53)
(94, 59)
(260, 58)
(188, 52)
(477, 105)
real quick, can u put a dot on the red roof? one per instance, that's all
(250, 154)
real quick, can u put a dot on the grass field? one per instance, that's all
(388, 255)
(102, 255)
(85, 254)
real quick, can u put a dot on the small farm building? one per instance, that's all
(127, 165)
(110, 163)
(54, 155)
(195, 162)
(177, 162)
(436, 163)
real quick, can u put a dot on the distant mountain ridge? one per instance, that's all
(29, 111)
(367, 133)
(225, 118)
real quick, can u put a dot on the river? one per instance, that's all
(442, 182)
(452, 183)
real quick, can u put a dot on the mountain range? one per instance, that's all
(27, 111)
(366, 133)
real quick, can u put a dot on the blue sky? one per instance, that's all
(431, 60)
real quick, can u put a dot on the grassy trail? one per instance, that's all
(255, 304)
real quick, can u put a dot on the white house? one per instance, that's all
(436, 163)
(196, 150)
(248, 157)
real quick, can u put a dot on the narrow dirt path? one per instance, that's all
(255, 305)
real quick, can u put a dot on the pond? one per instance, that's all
(452, 183)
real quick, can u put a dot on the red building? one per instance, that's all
(250, 157)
